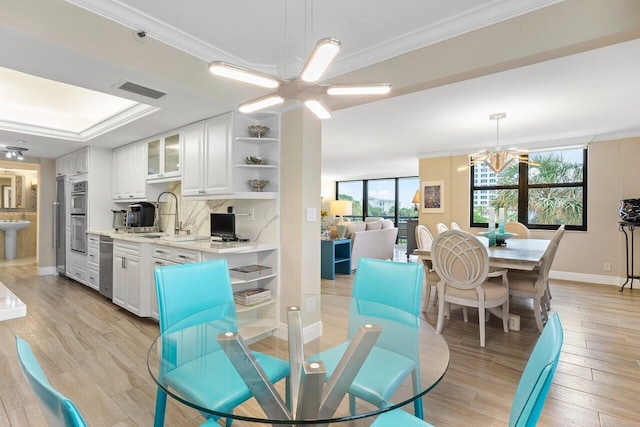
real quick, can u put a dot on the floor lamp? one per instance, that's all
(341, 208)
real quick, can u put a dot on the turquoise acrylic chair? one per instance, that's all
(187, 295)
(378, 285)
(532, 389)
(56, 408)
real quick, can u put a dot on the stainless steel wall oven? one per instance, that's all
(79, 216)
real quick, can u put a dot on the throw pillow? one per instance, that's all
(373, 225)
(352, 227)
(387, 223)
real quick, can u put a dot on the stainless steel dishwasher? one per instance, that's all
(106, 267)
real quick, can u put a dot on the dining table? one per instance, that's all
(515, 254)
(311, 396)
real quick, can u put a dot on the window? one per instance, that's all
(388, 198)
(541, 197)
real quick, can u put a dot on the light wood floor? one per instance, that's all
(95, 353)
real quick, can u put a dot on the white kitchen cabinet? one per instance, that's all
(166, 255)
(93, 261)
(163, 158)
(74, 163)
(207, 156)
(130, 290)
(214, 154)
(129, 172)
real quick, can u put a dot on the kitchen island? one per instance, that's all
(136, 256)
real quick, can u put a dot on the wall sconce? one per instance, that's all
(14, 152)
(34, 183)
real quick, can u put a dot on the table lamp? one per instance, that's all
(341, 208)
(416, 200)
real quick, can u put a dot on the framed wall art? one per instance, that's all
(433, 197)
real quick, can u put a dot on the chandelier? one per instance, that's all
(498, 160)
(305, 87)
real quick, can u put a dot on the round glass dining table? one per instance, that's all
(335, 346)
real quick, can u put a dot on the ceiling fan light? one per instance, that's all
(370, 89)
(260, 103)
(8, 154)
(20, 156)
(234, 72)
(322, 55)
(318, 108)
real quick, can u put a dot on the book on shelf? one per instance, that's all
(248, 272)
(252, 296)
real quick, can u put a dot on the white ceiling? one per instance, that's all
(571, 99)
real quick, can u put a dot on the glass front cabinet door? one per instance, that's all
(163, 157)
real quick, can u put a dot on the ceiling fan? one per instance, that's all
(304, 88)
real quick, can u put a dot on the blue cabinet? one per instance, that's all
(335, 258)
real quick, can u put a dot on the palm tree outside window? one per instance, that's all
(541, 197)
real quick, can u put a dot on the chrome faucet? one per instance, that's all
(177, 227)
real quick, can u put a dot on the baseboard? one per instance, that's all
(587, 278)
(47, 271)
(309, 333)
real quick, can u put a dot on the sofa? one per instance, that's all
(372, 238)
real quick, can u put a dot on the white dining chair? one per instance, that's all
(455, 226)
(424, 239)
(440, 227)
(534, 284)
(462, 262)
(519, 229)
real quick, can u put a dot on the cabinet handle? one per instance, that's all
(122, 263)
(92, 278)
(182, 256)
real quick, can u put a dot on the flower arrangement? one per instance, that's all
(323, 214)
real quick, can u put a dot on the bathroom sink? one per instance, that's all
(13, 225)
(10, 229)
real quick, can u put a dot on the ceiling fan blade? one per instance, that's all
(318, 108)
(359, 89)
(322, 55)
(261, 103)
(242, 74)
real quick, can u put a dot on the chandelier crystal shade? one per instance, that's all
(498, 160)
(304, 88)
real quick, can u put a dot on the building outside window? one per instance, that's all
(541, 196)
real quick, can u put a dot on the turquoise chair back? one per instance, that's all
(57, 409)
(184, 290)
(397, 284)
(536, 379)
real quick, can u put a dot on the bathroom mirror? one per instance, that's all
(7, 185)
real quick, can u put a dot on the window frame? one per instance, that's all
(523, 188)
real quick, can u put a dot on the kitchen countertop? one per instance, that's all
(198, 243)
(11, 306)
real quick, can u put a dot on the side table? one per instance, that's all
(335, 257)
(631, 226)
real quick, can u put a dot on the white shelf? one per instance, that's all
(255, 140)
(244, 308)
(235, 281)
(243, 165)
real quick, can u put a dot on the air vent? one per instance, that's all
(141, 90)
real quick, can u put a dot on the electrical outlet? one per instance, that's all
(607, 266)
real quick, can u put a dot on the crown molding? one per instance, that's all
(470, 20)
(122, 118)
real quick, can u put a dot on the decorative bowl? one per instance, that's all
(258, 184)
(258, 131)
(500, 237)
(254, 160)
